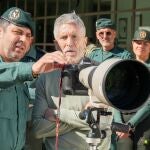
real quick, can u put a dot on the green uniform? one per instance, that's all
(100, 55)
(14, 95)
(141, 121)
(14, 100)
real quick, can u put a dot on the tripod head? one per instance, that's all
(92, 117)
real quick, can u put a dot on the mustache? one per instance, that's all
(15, 43)
(70, 50)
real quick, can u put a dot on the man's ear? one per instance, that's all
(1, 32)
(86, 40)
(97, 35)
(115, 33)
(32, 40)
(132, 42)
(57, 47)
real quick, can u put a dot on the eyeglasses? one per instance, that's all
(108, 33)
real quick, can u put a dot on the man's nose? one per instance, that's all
(23, 37)
(105, 35)
(69, 42)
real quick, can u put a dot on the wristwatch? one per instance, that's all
(35, 75)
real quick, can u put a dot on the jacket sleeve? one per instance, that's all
(117, 116)
(14, 72)
(141, 114)
(71, 117)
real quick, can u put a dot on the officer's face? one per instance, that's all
(106, 38)
(15, 42)
(71, 42)
(141, 49)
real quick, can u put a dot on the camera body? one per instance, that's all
(71, 84)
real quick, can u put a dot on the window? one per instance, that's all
(44, 13)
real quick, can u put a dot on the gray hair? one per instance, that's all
(69, 18)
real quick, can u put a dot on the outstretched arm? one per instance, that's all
(15, 72)
(141, 114)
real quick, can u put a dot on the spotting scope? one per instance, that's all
(120, 83)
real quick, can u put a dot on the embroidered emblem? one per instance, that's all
(142, 34)
(14, 14)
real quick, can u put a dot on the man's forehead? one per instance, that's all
(69, 29)
(15, 27)
(106, 29)
(72, 25)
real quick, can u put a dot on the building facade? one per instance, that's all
(128, 15)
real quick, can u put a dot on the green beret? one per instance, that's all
(105, 23)
(141, 35)
(19, 17)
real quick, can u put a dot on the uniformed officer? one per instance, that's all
(106, 34)
(16, 35)
(139, 120)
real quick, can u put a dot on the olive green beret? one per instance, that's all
(18, 17)
(141, 35)
(105, 23)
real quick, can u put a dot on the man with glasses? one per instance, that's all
(106, 34)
